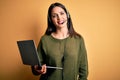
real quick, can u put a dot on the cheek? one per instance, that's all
(54, 21)
(65, 18)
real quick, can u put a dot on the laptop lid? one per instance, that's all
(28, 52)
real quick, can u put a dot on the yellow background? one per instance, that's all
(98, 21)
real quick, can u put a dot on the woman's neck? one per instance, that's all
(61, 33)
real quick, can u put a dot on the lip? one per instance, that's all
(60, 22)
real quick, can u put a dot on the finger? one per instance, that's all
(44, 69)
(41, 69)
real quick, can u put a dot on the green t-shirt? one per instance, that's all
(69, 53)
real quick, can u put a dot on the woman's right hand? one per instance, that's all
(43, 69)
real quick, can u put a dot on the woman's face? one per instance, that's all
(59, 17)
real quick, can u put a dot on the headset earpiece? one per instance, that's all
(68, 15)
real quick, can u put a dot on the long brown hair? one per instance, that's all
(51, 27)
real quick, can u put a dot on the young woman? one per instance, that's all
(62, 47)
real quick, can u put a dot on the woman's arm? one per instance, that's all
(83, 62)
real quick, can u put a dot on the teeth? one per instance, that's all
(61, 22)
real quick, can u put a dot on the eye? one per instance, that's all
(54, 16)
(62, 13)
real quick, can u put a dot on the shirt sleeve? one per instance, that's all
(83, 62)
(41, 56)
(41, 51)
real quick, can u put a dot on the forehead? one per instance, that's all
(57, 10)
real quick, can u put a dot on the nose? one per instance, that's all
(58, 17)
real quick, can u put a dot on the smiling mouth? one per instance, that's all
(61, 22)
